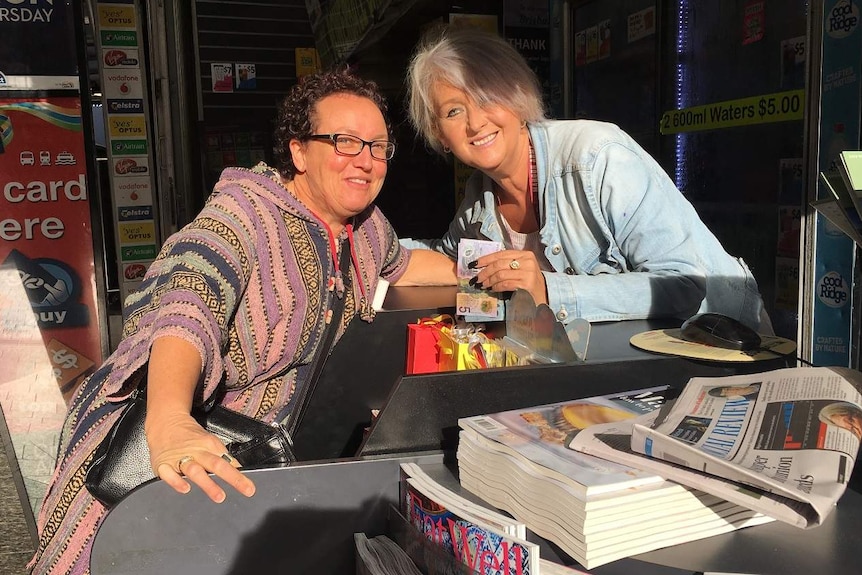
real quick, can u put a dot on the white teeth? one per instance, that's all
(484, 140)
(358, 181)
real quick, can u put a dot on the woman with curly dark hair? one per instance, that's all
(234, 307)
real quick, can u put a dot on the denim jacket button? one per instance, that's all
(557, 249)
(562, 314)
(570, 270)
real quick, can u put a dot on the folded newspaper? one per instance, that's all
(793, 432)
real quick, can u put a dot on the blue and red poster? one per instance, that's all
(47, 270)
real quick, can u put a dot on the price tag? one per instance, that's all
(779, 107)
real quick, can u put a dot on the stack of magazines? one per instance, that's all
(381, 556)
(594, 509)
(444, 533)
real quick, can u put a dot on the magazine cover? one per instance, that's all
(493, 519)
(473, 543)
(430, 558)
(542, 434)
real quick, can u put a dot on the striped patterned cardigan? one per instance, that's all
(248, 283)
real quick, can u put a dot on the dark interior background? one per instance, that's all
(745, 182)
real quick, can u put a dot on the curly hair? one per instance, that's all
(296, 113)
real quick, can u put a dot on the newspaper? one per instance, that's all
(612, 441)
(791, 432)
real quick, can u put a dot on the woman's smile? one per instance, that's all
(487, 139)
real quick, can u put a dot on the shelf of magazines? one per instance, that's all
(435, 531)
(313, 510)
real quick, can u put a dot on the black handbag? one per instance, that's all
(121, 461)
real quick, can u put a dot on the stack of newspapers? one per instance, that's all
(842, 205)
(782, 442)
(381, 556)
(594, 509)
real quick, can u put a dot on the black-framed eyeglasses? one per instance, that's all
(348, 145)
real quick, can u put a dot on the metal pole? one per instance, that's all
(811, 143)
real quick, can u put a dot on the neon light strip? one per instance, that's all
(683, 53)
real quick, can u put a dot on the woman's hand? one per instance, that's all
(181, 451)
(509, 270)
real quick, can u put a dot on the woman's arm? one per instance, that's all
(428, 268)
(197, 281)
(654, 252)
(173, 434)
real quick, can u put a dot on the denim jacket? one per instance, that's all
(623, 241)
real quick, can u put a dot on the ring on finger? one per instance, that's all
(227, 457)
(182, 461)
(515, 265)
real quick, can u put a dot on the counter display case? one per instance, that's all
(302, 520)
(303, 517)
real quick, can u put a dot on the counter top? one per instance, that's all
(366, 372)
(609, 341)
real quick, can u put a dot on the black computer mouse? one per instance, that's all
(719, 330)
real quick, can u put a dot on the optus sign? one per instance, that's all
(832, 290)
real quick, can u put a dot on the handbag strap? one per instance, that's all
(323, 348)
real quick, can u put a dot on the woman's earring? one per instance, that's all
(446, 149)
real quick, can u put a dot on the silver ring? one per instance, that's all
(515, 265)
(227, 457)
(183, 460)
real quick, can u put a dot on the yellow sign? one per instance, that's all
(114, 17)
(127, 125)
(487, 22)
(136, 232)
(779, 107)
(307, 61)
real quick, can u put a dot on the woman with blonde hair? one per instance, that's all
(592, 225)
